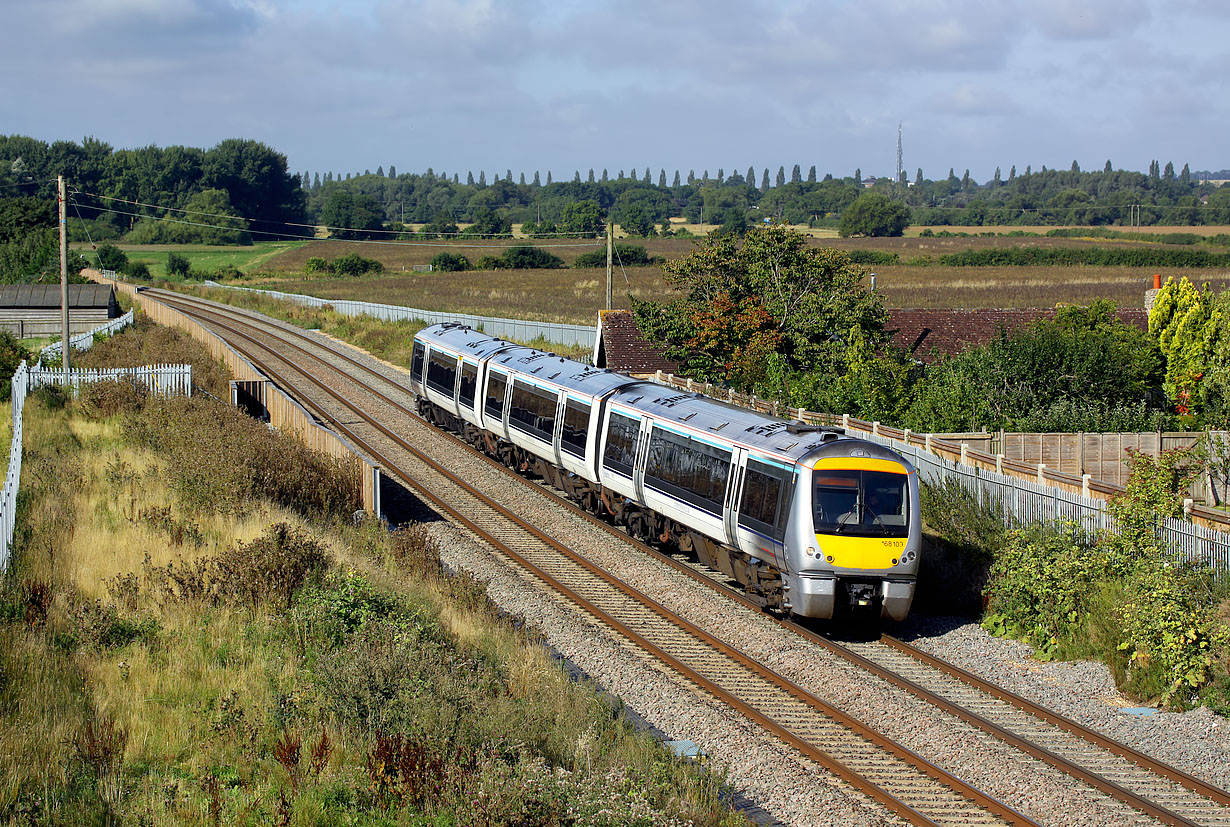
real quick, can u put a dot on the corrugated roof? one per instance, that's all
(48, 295)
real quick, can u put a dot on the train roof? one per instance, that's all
(703, 415)
(538, 364)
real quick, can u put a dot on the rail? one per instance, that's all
(521, 330)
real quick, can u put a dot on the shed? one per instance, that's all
(28, 310)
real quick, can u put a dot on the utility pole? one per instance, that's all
(610, 281)
(62, 198)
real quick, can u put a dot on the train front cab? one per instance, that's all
(862, 539)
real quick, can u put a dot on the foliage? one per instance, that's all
(582, 219)
(769, 294)
(206, 218)
(489, 224)
(12, 354)
(353, 264)
(873, 214)
(1058, 372)
(1100, 256)
(1121, 595)
(111, 257)
(1188, 325)
(178, 265)
(450, 262)
(351, 215)
(24, 215)
(625, 255)
(521, 257)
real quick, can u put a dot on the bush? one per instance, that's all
(528, 257)
(111, 257)
(450, 262)
(316, 264)
(353, 264)
(12, 354)
(112, 397)
(629, 255)
(490, 263)
(178, 265)
(136, 270)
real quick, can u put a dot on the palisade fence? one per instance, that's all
(1021, 493)
(163, 380)
(520, 330)
(84, 341)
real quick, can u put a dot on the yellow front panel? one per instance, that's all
(860, 552)
(860, 464)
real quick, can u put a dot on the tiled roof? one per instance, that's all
(48, 295)
(621, 347)
(922, 333)
(925, 332)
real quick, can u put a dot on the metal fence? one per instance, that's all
(85, 341)
(1021, 502)
(12, 477)
(521, 330)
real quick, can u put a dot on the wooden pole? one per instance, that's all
(62, 198)
(610, 281)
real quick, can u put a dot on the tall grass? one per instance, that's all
(176, 648)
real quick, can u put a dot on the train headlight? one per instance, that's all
(811, 551)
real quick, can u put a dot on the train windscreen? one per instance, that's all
(861, 503)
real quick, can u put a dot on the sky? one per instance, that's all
(569, 85)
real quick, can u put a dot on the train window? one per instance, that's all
(469, 381)
(620, 451)
(442, 372)
(576, 427)
(687, 468)
(763, 506)
(533, 410)
(416, 363)
(497, 383)
(865, 503)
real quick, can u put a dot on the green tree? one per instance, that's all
(178, 265)
(351, 215)
(582, 218)
(111, 257)
(450, 262)
(873, 214)
(490, 224)
(636, 222)
(1188, 327)
(756, 313)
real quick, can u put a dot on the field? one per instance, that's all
(576, 295)
(202, 257)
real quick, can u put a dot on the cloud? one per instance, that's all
(1088, 19)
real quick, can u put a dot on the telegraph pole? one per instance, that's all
(62, 198)
(610, 281)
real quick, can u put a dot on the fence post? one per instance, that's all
(875, 428)
(1041, 473)
(965, 453)
(927, 444)
(1085, 484)
(1187, 508)
(845, 421)
(999, 463)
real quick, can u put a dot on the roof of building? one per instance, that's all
(925, 333)
(621, 347)
(48, 295)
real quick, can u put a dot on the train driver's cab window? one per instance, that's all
(863, 503)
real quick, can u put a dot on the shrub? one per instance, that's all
(111, 257)
(450, 262)
(629, 255)
(178, 265)
(136, 270)
(490, 263)
(111, 397)
(529, 257)
(12, 354)
(316, 264)
(353, 264)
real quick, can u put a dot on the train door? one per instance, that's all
(642, 453)
(734, 488)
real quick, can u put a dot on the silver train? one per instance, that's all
(808, 520)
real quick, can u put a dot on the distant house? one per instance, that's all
(29, 310)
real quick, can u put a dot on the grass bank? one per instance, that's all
(194, 631)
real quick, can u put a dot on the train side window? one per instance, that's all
(620, 451)
(469, 381)
(576, 427)
(533, 410)
(762, 506)
(689, 469)
(442, 372)
(497, 383)
(416, 363)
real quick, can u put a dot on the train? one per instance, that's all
(808, 520)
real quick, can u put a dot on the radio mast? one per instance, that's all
(900, 169)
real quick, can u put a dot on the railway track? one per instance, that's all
(890, 774)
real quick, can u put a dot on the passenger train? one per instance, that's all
(810, 521)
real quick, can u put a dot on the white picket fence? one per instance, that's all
(84, 341)
(163, 380)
